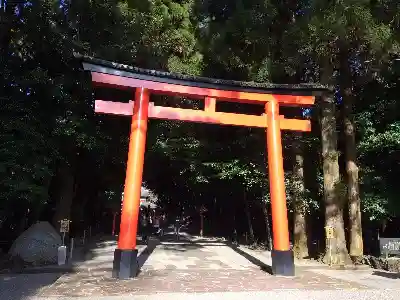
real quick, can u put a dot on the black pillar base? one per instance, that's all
(125, 265)
(282, 263)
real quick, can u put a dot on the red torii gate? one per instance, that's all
(120, 76)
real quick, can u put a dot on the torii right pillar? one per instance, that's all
(282, 255)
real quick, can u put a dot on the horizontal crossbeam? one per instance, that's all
(103, 79)
(200, 116)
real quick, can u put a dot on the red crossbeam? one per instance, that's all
(197, 92)
(200, 116)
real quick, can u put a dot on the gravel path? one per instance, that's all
(272, 295)
(199, 269)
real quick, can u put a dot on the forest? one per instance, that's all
(58, 159)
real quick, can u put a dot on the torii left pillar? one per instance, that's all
(125, 263)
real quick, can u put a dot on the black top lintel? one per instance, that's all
(107, 67)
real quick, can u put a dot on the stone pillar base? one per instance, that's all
(283, 263)
(125, 265)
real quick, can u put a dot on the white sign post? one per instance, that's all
(62, 255)
(330, 235)
(62, 250)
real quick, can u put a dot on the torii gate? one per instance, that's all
(272, 96)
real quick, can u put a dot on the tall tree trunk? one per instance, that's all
(234, 230)
(201, 224)
(336, 251)
(268, 237)
(65, 194)
(248, 217)
(23, 221)
(353, 192)
(300, 246)
(7, 21)
(263, 163)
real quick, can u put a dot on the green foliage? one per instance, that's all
(47, 103)
(247, 174)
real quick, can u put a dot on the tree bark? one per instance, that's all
(268, 237)
(248, 217)
(336, 251)
(353, 194)
(300, 246)
(66, 185)
(201, 224)
(7, 20)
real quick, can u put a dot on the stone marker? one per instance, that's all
(38, 244)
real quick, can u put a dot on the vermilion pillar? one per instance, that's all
(282, 256)
(125, 256)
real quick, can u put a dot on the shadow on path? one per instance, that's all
(21, 286)
(263, 266)
(387, 274)
(145, 254)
